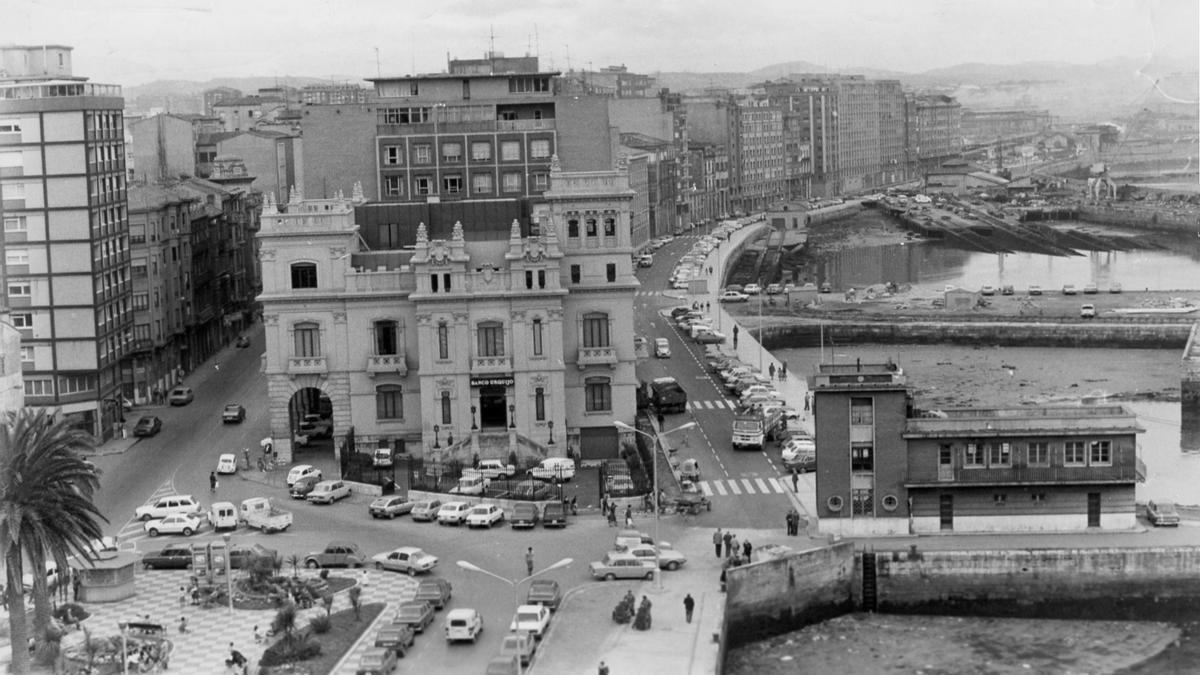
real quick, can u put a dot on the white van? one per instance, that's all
(645, 260)
(223, 516)
(554, 469)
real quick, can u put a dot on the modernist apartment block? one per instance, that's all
(66, 234)
(884, 468)
(476, 338)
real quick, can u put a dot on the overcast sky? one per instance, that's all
(132, 42)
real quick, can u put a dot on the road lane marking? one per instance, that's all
(749, 486)
(762, 486)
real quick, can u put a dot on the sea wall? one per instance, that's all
(1160, 218)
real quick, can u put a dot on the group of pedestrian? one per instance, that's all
(793, 522)
(732, 548)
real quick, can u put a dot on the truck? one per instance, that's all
(753, 427)
(261, 513)
(667, 396)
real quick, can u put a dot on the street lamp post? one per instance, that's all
(654, 465)
(516, 586)
(228, 573)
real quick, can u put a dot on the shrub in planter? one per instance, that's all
(320, 624)
(286, 651)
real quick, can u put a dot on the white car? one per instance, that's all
(733, 296)
(328, 492)
(301, 471)
(407, 559)
(463, 623)
(168, 506)
(184, 524)
(752, 289)
(485, 515)
(532, 619)
(495, 468)
(757, 389)
(668, 558)
(453, 513)
(227, 463)
(796, 447)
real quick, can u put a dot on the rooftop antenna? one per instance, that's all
(568, 47)
(537, 44)
(378, 68)
(491, 42)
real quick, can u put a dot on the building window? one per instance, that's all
(512, 182)
(1000, 454)
(393, 186)
(539, 404)
(862, 458)
(510, 151)
(22, 319)
(452, 152)
(573, 228)
(481, 151)
(445, 407)
(1039, 454)
(1075, 453)
(75, 384)
(999, 499)
(1100, 452)
(590, 227)
(443, 339)
(595, 330)
(16, 256)
(862, 501)
(304, 275)
(529, 279)
(597, 394)
(393, 155)
(539, 149)
(541, 181)
(23, 289)
(1038, 497)
(308, 339)
(422, 153)
(575, 274)
(389, 402)
(538, 329)
(481, 183)
(140, 301)
(424, 185)
(541, 274)
(861, 411)
(15, 224)
(610, 227)
(491, 339)
(39, 386)
(973, 455)
(452, 185)
(386, 338)
(446, 281)
(610, 271)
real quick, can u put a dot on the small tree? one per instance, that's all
(294, 561)
(284, 623)
(356, 601)
(327, 602)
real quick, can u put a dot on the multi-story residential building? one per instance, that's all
(661, 181)
(985, 127)
(752, 133)
(247, 112)
(333, 94)
(884, 468)
(66, 233)
(614, 81)
(707, 192)
(12, 387)
(162, 147)
(217, 95)
(339, 150)
(275, 159)
(934, 130)
(809, 133)
(448, 339)
(639, 206)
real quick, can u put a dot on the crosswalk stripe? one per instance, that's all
(720, 488)
(761, 485)
(706, 489)
(774, 483)
(749, 487)
(734, 487)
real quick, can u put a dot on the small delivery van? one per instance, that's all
(223, 516)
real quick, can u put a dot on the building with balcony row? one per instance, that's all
(885, 468)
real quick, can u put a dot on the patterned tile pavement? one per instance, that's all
(203, 648)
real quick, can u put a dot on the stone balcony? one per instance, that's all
(387, 364)
(597, 356)
(307, 365)
(487, 365)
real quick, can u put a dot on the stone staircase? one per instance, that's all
(497, 445)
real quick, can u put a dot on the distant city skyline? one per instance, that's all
(132, 42)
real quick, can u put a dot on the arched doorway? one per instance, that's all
(493, 407)
(310, 416)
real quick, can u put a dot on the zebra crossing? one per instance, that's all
(743, 486)
(719, 404)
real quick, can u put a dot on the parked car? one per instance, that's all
(316, 426)
(1035, 289)
(525, 515)
(260, 513)
(426, 510)
(517, 645)
(1114, 288)
(752, 289)
(180, 396)
(227, 464)
(627, 538)
(471, 484)
(621, 566)
(336, 554)
(1162, 514)
(302, 487)
(544, 592)
(495, 468)
(1090, 289)
(668, 558)
(774, 289)
(415, 613)
(463, 623)
(485, 515)
(532, 490)
(242, 342)
(555, 469)
(708, 336)
(233, 413)
(167, 506)
(328, 492)
(180, 523)
(434, 590)
(619, 485)
(222, 516)
(1087, 311)
(169, 558)
(532, 620)
(390, 506)
(147, 426)
(397, 637)
(733, 296)
(554, 514)
(407, 559)
(1006, 289)
(662, 348)
(300, 471)
(453, 513)
(987, 290)
(1069, 289)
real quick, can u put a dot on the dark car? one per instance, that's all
(397, 637)
(303, 486)
(525, 515)
(1162, 514)
(418, 614)
(544, 592)
(554, 515)
(435, 591)
(171, 557)
(242, 342)
(233, 414)
(147, 426)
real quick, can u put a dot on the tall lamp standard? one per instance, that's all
(654, 465)
(516, 586)
(228, 573)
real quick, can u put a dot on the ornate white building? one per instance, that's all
(465, 343)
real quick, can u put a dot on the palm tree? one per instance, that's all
(46, 510)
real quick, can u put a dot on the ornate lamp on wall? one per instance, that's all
(512, 416)
(550, 424)
(474, 427)
(436, 430)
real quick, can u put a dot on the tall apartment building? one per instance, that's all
(809, 134)
(449, 339)
(934, 130)
(752, 132)
(66, 233)
(333, 94)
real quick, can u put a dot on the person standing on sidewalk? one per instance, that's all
(734, 546)
(795, 481)
(688, 605)
(771, 371)
(529, 562)
(746, 549)
(783, 371)
(717, 541)
(603, 669)
(727, 538)
(735, 336)
(628, 516)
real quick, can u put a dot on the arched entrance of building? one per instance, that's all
(493, 407)
(310, 415)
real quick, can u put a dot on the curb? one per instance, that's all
(370, 631)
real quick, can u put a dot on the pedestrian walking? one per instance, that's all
(364, 579)
(258, 637)
(602, 670)
(707, 306)
(788, 518)
(783, 371)
(212, 481)
(727, 538)
(746, 549)
(806, 399)
(529, 561)
(735, 546)
(628, 516)
(612, 515)
(717, 541)
(735, 336)
(183, 597)
(688, 605)
(795, 480)
(183, 624)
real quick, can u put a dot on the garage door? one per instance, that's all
(598, 442)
